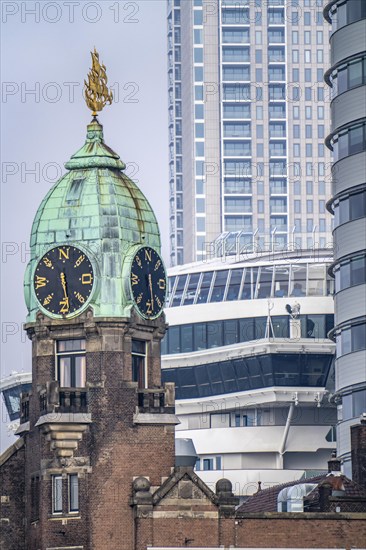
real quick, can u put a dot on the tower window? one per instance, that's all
(57, 494)
(73, 493)
(71, 364)
(139, 374)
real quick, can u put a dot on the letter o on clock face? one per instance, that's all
(148, 282)
(63, 280)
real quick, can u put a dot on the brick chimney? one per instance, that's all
(358, 451)
(325, 491)
(334, 464)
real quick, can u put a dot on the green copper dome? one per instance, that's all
(98, 209)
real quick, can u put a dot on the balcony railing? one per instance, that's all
(156, 400)
(73, 400)
(64, 400)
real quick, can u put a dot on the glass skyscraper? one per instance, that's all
(248, 114)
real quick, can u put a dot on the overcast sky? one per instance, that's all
(45, 56)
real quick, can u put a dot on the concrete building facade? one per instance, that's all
(247, 118)
(347, 139)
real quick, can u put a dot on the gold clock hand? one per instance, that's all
(63, 284)
(151, 292)
(65, 302)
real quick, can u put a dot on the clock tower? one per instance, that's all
(97, 416)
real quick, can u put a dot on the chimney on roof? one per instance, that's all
(358, 451)
(325, 491)
(334, 464)
(259, 488)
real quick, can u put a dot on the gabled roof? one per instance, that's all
(10, 451)
(183, 474)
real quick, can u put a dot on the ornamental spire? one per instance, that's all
(96, 92)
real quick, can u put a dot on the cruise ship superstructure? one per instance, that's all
(248, 351)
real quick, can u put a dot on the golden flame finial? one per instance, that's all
(96, 92)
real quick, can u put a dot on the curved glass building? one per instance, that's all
(347, 140)
(248, 351)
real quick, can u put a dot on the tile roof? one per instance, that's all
(266, 499)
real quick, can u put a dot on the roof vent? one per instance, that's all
(291, 499)
(185, 453)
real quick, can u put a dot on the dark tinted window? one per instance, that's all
(249, 373)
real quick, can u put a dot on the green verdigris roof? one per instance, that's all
(97, 208)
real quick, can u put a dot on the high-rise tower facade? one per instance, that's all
(247, 118)
(347, 139)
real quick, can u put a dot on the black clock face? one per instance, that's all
(148, 282)
(63, 280)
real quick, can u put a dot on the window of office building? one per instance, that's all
(349, 141)
(276, 72)
(275, 54)
(351, 339)
(237, 205)
(276, 91)
(276, 36)
(236, 92)
(350, 273)
(278, 205)
(236, 111)
(237, 148)
(297, 187)
(235, 36)
(308, 112)
(238, 223)
(235, 16)
(278, 186)
(235, 73)
(349, 207)
(237, 186)
(277, 148)
(235, 53)
(276, 16)
(276, 110)
(354, 404)
(308, 76)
